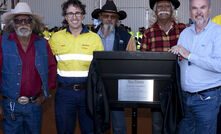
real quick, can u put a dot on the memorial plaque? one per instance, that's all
(135, 90)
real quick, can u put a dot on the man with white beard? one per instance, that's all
(114, 38)
(160, 37)
(28, 70)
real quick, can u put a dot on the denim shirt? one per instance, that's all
(107, 42)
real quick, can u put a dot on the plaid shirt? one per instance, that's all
(156, 40)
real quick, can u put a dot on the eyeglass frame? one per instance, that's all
(18, 21)
(76, 14)
(105, 16)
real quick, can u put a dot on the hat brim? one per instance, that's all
(175, 3)
(95, 14)
(6, 17)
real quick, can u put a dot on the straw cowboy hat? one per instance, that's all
(109, 7)
(21, 8)
(175, 3)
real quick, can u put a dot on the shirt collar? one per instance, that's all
(155, 25)
(84, 29)
(192, 27)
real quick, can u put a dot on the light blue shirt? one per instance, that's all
(204, 72)
(108, 42)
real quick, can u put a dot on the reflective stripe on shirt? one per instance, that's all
(82, 57)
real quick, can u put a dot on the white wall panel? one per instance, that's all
(51, 9)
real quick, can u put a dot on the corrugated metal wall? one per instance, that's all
(136, 11)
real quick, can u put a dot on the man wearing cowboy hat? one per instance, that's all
(160, 37)
(28, 70)
(114, 39)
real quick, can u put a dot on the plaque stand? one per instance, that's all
(134, 120)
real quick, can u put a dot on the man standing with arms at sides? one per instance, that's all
(160, 37)
(200, 74)
(114, 39)
(73, 48)
(28, 70)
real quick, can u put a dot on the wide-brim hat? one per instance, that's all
(109, 7)
(175, 3)
(21, 8)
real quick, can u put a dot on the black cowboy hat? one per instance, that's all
(109, 7)
(175, 3)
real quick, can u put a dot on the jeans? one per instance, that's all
(157, 121)
(68, 104)
(200, 113)
(118, 121)
(28, 118)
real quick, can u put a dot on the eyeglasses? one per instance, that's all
(107, 16)
(26, 20)
(71, 14)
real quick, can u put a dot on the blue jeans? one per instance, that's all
(200, 113)
(68, 104)
(118, 121)
(28, 118)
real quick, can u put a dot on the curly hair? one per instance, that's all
(76, 3)
(153, 15)
(37, 26)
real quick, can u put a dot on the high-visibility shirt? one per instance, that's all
(46, 34)
(217, 19)
(74, 54)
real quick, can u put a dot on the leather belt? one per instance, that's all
(23, 99)
(203, 91)
(75, 87)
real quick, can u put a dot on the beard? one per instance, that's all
(107, 28)
(202, 21)
(23, 31)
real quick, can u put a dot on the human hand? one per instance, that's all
(40, 99)
(180, 50)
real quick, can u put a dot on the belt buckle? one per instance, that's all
(23, 100)
(76, 87)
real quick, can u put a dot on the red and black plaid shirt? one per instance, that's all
(156, 40)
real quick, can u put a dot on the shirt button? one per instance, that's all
(19, 74)
(19, 64)
(17, 84)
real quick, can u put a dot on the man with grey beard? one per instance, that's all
(114, 39)
(28, 71)
(200, 70)
(160, 37)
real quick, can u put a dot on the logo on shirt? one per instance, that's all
(85, 46)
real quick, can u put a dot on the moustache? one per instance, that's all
(164, 12)
(199, 15)
(24, 27)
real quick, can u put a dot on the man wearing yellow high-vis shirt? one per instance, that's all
(73, 48)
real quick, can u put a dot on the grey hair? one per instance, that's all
(209, 2)
(37, 26)
(153, 15)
